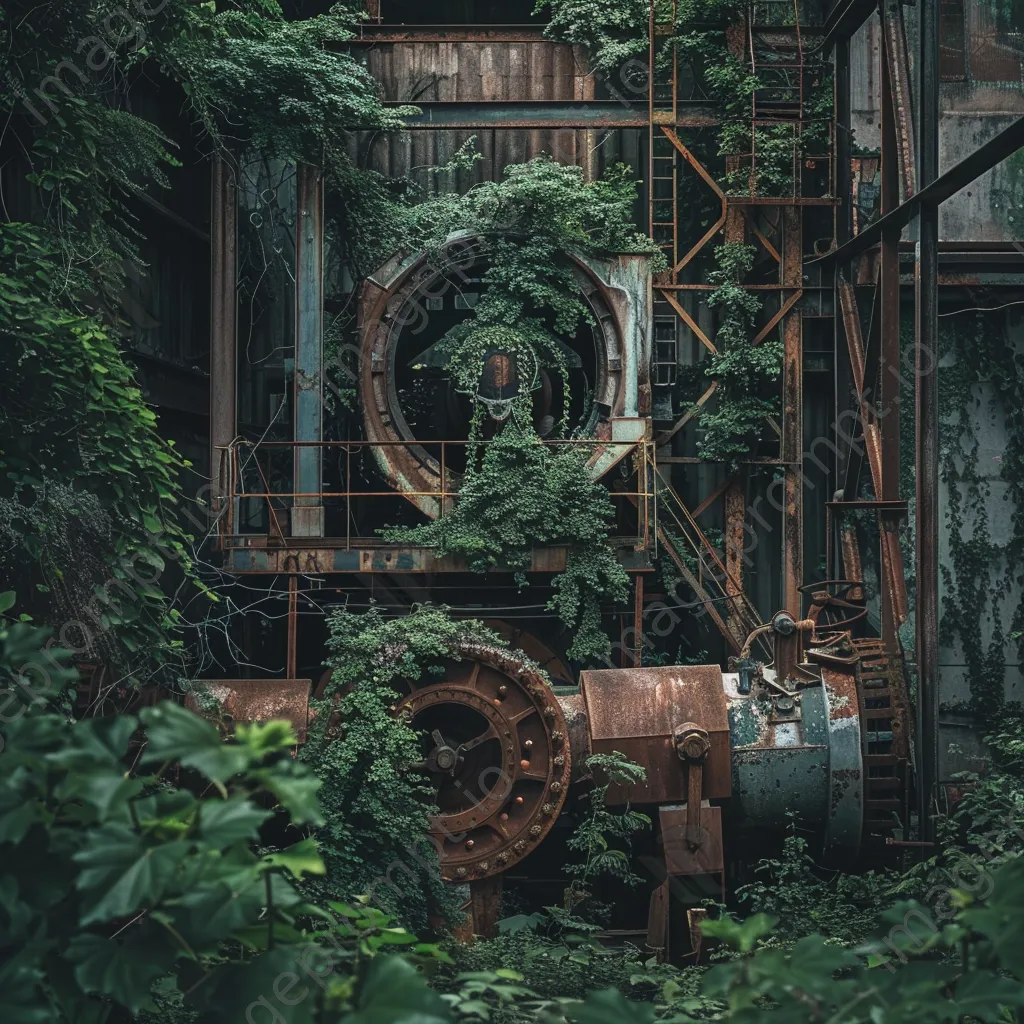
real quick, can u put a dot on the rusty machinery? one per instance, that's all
(820, 733)
(409, 304)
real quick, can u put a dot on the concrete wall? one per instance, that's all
(990, 208)
(989, 423)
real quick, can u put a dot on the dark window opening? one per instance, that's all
(952, 48)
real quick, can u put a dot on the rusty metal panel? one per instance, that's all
(489, 69)
(637, 712)
(575, 711)
(258, 700)
(706, 859)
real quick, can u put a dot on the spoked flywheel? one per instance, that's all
(495, 746)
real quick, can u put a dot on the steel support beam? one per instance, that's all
(308, 512)
(792, 418)
(520, 115)
(926, 454)
(844, 138)
(887, 400)
(960, 175)
(843, 20)
(223, 323)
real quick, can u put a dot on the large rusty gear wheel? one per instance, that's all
(496, 747)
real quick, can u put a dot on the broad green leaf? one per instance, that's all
(263, 738)
(269, 988)
(295, 788)
(123, 970)
(224, 822)
(609, 1007)
(394, 992)
(120, 874)
(301, 859)
(107, 792)
(176, 734)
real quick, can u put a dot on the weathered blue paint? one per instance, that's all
(346, 561)
(800, 755)
(845, 765)
(307, 513)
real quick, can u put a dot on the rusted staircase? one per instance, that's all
(884, 737)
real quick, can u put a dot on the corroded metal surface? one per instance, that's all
(844, 822)
(885, 738)
(223, 325)
(499, 757)
(639, 711)
(478, 67)
(705, 857)
(779, 756)
(257, 700)
(617, 292)
(575, 711)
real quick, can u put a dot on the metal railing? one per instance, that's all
(260, 493)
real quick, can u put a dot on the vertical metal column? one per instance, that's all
(926, 340)
(307, 511)
(887, 402)
(844, 188)
(792, 417)
(223, 371)
(638, 620)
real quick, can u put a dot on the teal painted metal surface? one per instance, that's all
(307, 516)
(769, 783)
(780, 757)
(844, 826)
(801, 754)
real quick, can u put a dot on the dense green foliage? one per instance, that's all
(88, 490)
(87, 485)
(603, 839)
(532, 224)
(616, 32)
(525, 493)
(517, 492)
(375, 805)
(745, 373)
(806, 900)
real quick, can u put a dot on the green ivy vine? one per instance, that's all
(523, 493)
(374, 839)
(745, 372)
(88, 488)
(979, 568)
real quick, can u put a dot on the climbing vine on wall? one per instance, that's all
(981, 571)
(744, 372)
(981, 375)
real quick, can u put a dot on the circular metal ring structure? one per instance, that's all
(496, 747)
(398, 298)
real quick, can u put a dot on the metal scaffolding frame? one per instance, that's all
(912, 190)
